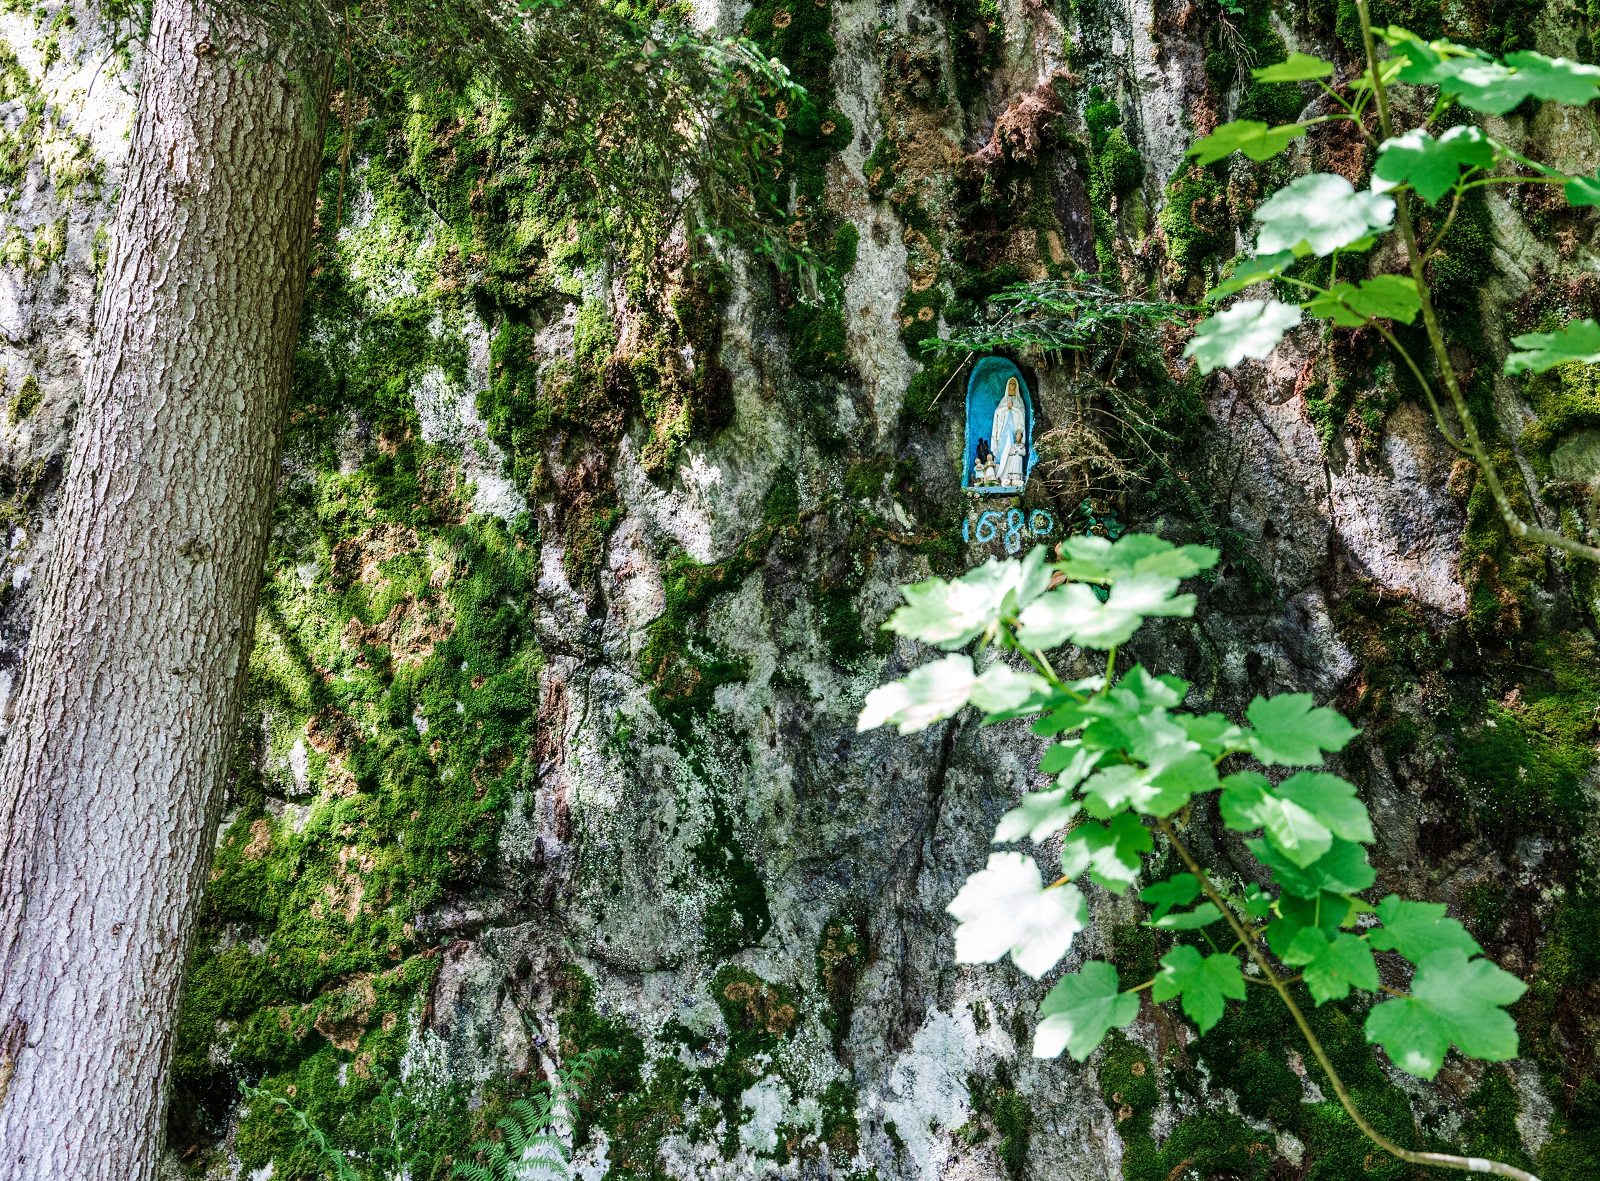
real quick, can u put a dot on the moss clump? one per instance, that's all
(739, 916)
(922, 393)
(1129, 1086)
(998, 1100)
(637, 1112)
(27, 400)
(1195, 219)
(1525, 767)
(841, 955)
(683, 673)
(1270, 102)
(817, 339)
(976, 35)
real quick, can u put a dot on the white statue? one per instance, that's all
(1014, 467)
(1010, 436)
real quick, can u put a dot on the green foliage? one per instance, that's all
(1386, 297)
(530, 1147)
(684, 673)
(1255, 140)
(1320, 213)
(1130, 756)
(1059, 316)
(1482, 84)
(1542, 351)
(1080, 1010)
(1250, 328)
(1432, 166)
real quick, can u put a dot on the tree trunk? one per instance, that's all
(112, 782)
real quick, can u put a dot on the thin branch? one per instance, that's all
(1470, 1164)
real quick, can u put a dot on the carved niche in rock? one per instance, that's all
(999, 451)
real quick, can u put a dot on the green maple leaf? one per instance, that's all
(939, 690)
(1332, 800)
(1188, 920)
(1481, 84)
(927, 695)
(1250, 328)
(1331, 967)
(1255, 140)
(1204, 983)
(1578, 341)
(1178, 890)
(1073, 612)
(1582, 190)
(949, 614)
(1387, 297)
(1564, 81)
(1320, 213)
(1288, 731)
(1452, 999)
(1299, 67)
(1069, 762)
(1089, 558)
(1005, 907)
(1418, 929)
(1343, 869)
(1431, 166)
(1249, 272)
(1325, 912)
(1110, 852)
(1214, 732)
(1126, 786)
(1037, 817)
(1426, 63)
(1080, 1010)
(1294, 826)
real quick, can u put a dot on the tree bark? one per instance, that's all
(111, 785)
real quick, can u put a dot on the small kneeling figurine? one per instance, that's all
(985, 472)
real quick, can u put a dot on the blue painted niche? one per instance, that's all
(998, 472)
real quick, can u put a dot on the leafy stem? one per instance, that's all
(1280, 984)
(1469, 427)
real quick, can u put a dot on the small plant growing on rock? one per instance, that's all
(1130, 767)
(533, 1143)
(1322, 215)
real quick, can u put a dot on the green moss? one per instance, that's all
(1269, 102)
(817, 339)
(841, 955)
(997, 1099)
(683, 673)
(1121, 166)
(27, 400)
(840, 625)
(781, 505)
(637, 1101)
(920, 407)
(919, 317)
(1195, 219)
(1490, 1130)
(1129, 1086)
(738, 916)
(977, 35)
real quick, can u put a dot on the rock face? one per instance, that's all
(576, 589)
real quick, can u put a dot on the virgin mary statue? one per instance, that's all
(1009, 437)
